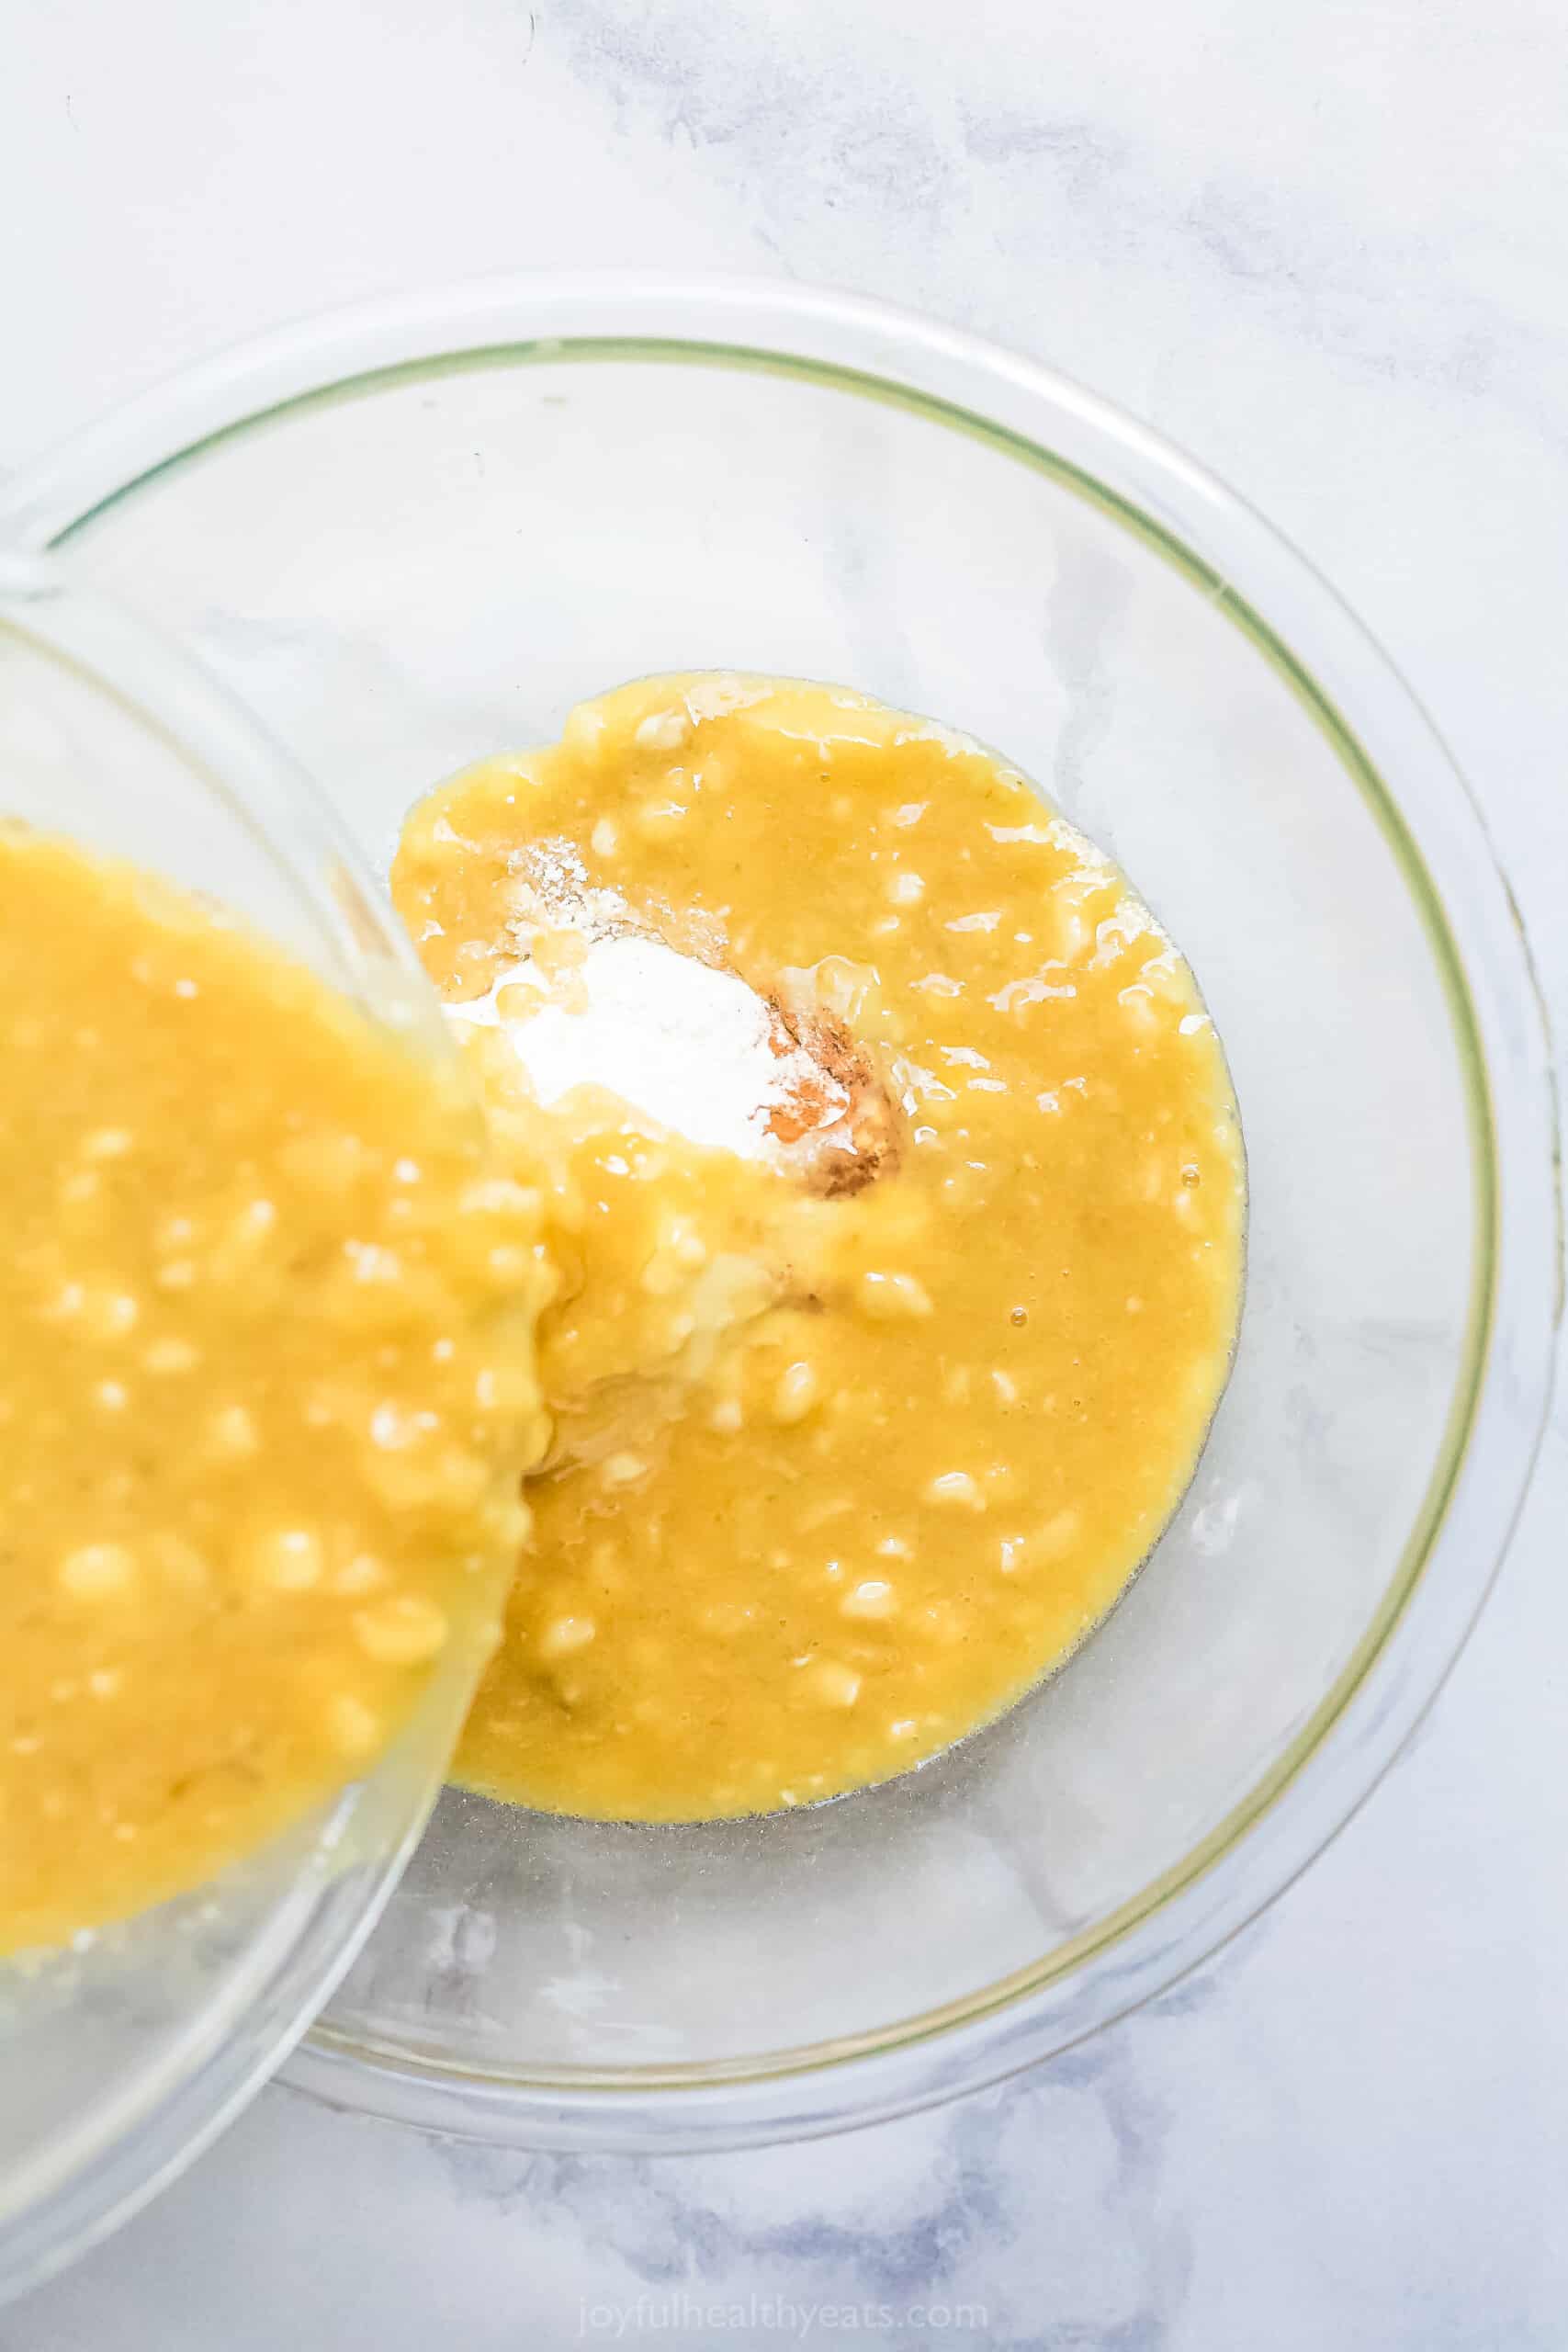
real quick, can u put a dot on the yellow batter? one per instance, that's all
(853, 1445)
(267, 1389)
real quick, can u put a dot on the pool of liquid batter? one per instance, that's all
(859, 1429)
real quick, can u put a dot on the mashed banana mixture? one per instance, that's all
(857, 1435)
(848, 1422)
(266, 1393)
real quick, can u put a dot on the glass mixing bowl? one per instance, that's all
(414, 537)
(122, 2056)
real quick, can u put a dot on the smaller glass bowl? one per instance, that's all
(120, 2057)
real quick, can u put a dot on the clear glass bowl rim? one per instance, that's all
(1296, 623)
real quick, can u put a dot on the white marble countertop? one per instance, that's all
(1326, 247)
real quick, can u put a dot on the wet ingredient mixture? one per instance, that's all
(862, 1430)
(267, 1393)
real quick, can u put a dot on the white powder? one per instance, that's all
(693, 1048)
(551, 886)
